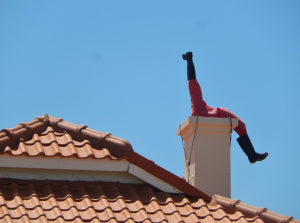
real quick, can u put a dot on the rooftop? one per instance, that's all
(46, 138)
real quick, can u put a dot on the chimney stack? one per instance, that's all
(207, 153)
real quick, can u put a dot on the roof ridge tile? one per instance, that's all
(123, 145)
(8, 137)
(251, 210)
(226, 201)
(55, 121)
(276, 217)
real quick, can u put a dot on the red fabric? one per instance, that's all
(200, 108)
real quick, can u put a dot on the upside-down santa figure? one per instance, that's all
(200, 108)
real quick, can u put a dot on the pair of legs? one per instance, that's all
(200, 108)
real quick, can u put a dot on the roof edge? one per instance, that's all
(168, 177)
(252, 211)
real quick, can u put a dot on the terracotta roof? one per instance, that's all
(48, 136)
(62, 201)
(59, 201)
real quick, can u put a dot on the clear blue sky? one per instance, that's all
(116, 66)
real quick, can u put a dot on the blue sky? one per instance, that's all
(116, 66)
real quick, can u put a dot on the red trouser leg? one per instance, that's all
(225, 113)
(197, 102)
(199, 108)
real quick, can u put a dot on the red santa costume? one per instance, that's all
(200, 108)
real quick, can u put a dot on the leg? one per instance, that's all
(246, 145)
(191, 73)
(244, 140)
(194, 88)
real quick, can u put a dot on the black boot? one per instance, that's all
(248, 149)
(187, 56)
(191, 73)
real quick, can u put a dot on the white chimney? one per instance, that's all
(207, 153)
